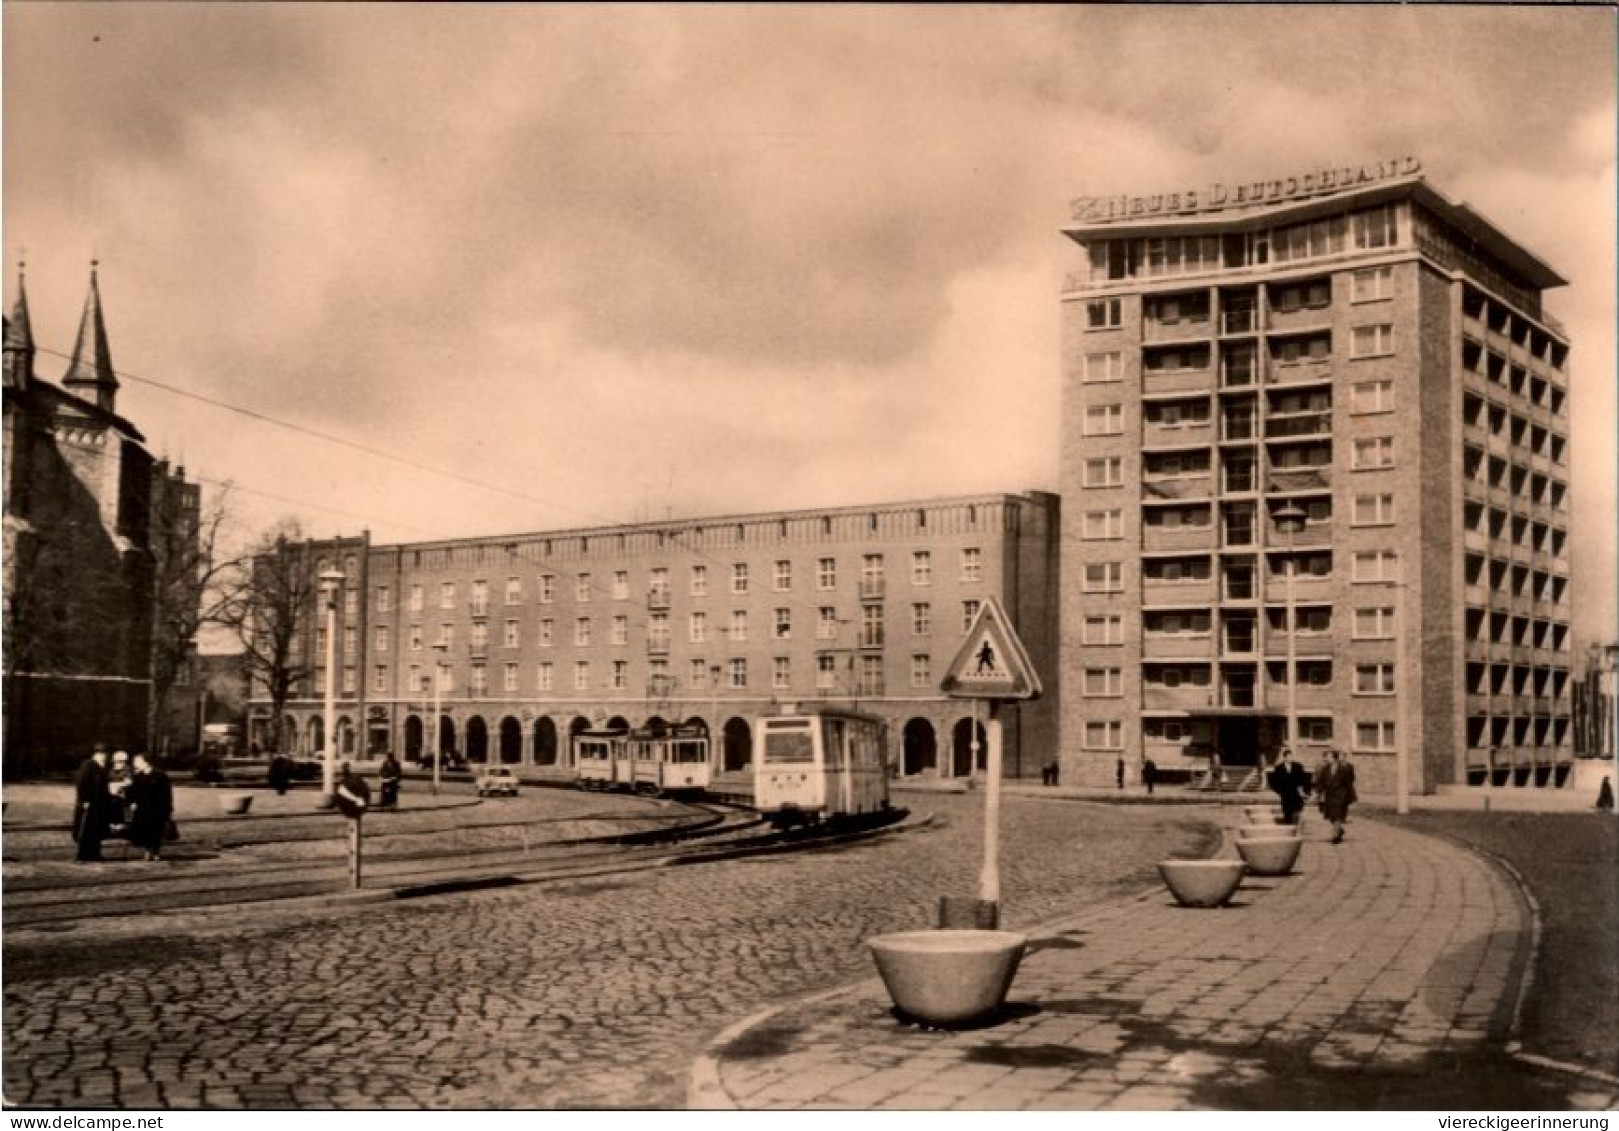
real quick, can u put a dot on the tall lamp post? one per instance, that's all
(1290, 520)
(439, 649)
(330, 581)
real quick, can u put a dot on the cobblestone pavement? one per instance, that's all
(1381, 974)
(591, 994)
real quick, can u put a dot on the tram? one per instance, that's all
(820, 764)
(674, 760)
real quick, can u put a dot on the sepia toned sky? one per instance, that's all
(634, 263)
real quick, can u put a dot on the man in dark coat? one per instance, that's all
(1284, 782)
(390, 775)
(91, 802)
(1149, 774)
(1338, 793)
(151, 799)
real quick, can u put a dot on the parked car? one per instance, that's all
(497, 779)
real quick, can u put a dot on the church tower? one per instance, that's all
(90, 374)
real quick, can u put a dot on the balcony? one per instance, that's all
(1306, 646)
(1185, 698)
(871, 588)
(1300, 372)
(1177, 646)
(1302, 424)
(1176, 380)
(1239, 321)
(1177, 537)
(1299, 478)
(657, 598)
(1176, 330)
(1177, 435)
(1177, 593)
(1179, 487)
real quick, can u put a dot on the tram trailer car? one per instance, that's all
(596, 754)
(641, 761)
(820, 765)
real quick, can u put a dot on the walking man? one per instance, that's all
(1338, 793)
(91, 801)
(151, 798)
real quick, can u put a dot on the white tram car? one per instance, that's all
(673, 761)
(820, 764)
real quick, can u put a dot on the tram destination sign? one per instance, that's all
(992, 662)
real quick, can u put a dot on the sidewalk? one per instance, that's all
(1384, 973)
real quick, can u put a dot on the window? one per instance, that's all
(1374, 679)
(480, 636)
(384, 598)
(510, 637)
(739, 577)
(382, 638)
(1107, 628)
(697, 628)
(1374, 736)
(581, 631)
(1374, 227)
(784, 624)
(1103, 314)
(415, 638)
(446, 595)
(921, 567)
(621, 585)
(547, 629)
(1103, 683)
(1104, 577)
(621, 674)
(1315, 729)
(351, 602)
(784, 576)
(1105, 472)
(871, 575)
(1375, 565)
(1104, 735)
(921, 670)
(581, 587)
(699, 581)
(1373, 510)
(548, 588)
(657, 632)
(621, 630)
(509, 678)
(581, 675)
(826, 623)
(972, 564)
(1097, 368)
(781, 672)
(480, 679)
(1372, 283)
(415, 598)
(1313, 294)
(1104, 420)
(547, 677)
(1374, 623)
(1372, 396)
(379, 678)
(739, 672)
(739, 624)
(514, 590)
(1371, 341)
(921, 619)
(658, 584)
(446, 634)
(1295, 351)
(697, 673)
(413, 678)
(826, 671)
(480, 598)
(446, 679)
(969, 613)
(871, 626)
(826, 573)
(1098, 525)
(349, 679)
(1373, 452)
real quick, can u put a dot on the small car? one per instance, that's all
(497, 780)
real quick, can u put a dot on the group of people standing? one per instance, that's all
(114, 795)
(1333, 783)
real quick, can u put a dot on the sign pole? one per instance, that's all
(989, 880)
(354, 854)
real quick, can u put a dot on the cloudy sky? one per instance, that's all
(631, 263)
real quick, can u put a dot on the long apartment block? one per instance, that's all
(1315, 480)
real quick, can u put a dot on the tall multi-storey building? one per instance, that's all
(1315, 469)
(709, 622)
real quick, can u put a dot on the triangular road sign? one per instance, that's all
(992, 663)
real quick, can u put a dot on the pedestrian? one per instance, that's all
(90, 804)
(1149, 774)
(1118, 773)
(1605, 795)
(280, 773)
(1049, 771)
(119, 776)
(151, 798)
(1338, 793)
(1216, 771)
(1285, 785)
(351, 788)
(390, 775)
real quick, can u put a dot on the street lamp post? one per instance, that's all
(439, 649)
(1290, 521)
(330, 581)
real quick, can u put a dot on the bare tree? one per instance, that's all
(273, 591)
(193, 585)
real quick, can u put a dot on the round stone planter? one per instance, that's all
(948, 977)
(1255, 832)
(1201, 883)
(1262, 816)
(1270, 855)
(235, 804)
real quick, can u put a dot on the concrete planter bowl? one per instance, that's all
(235, 804)
(1201, 883)
(1257, 832)
(1258, 815)
(1270, 855)
(951, 977)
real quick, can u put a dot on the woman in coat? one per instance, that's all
(1338, 793)
(151, 799)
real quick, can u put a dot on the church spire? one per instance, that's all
(90, 373)
(19, 346)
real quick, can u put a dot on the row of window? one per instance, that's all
(1108, 683)
(1371, 737)
(872, 571)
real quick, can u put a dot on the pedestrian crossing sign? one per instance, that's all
(992, 662)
